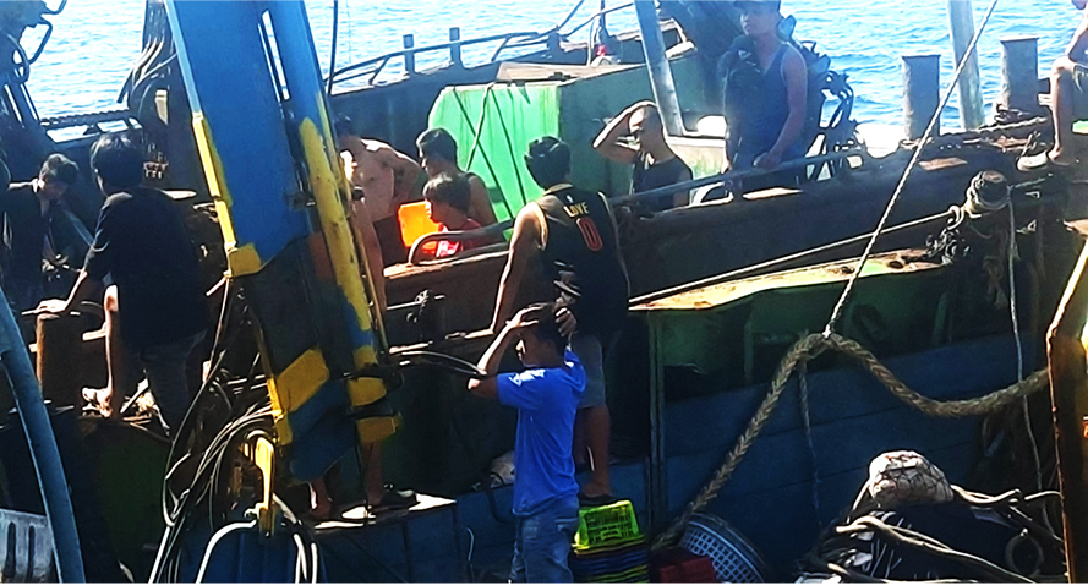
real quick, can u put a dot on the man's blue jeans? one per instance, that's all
(542, 542)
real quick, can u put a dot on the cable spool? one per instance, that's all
(988, 192)
(734, 557)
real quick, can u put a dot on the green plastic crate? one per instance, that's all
(607, 525)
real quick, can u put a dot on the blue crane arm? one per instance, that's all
(260, 116)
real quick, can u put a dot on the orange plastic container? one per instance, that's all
(414, 222)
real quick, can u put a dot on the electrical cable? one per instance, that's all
(216, 538)
(333, 46)
(1021, 354)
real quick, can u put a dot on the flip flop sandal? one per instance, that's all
(395, 499)
(1038, 162)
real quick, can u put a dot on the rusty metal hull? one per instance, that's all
(683, 245)
(1066, 351)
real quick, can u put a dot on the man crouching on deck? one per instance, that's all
(546, 395)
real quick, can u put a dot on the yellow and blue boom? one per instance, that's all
(261, 120)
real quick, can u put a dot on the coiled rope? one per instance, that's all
(807, 349)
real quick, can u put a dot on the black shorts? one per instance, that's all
(389, 237)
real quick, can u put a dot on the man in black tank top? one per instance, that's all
(654, 164)
(765, 87)
(573, 234)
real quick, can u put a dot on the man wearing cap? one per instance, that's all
(764, 91)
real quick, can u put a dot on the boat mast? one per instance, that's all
(961, 27)
(661, 78)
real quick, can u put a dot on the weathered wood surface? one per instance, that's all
(682, 245)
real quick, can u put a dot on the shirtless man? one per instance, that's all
(387, 178)
(439, 154)
(1069, 86)
(654, 163)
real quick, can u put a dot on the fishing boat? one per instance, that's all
(741, 431)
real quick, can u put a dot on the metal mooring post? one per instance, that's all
(455, 46)
(60, 358)
(1020, 76)
(661, 78)
(961, 28)
(920, 93)
(409, 42)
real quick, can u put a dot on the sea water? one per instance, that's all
(95, 42)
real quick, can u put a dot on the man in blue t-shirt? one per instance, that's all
(546, 394)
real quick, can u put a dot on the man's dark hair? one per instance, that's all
(117, 161)
(452, 189)
(343, 126)
(547, 329)
(652, 115)
(548, 161)
(437, 143)
(59, 168)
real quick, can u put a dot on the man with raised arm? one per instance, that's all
(654, 164)
(546, 395)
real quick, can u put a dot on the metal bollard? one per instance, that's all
(410, 55)
(455, 46)
(921, 77)
(60, 358)
(1020, 78)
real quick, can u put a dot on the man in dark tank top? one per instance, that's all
(764, 92)
(654, 163)
(572, 233)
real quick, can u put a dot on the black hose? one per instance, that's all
(333, 47)
(443, 361)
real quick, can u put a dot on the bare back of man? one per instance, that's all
(385, 175)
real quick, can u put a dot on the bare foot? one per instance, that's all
(320, 507)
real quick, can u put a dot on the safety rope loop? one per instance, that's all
(809, 348)
(829, 329)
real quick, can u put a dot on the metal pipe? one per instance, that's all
(921, 77)
(961, 29)
(455, 46)
(43, 447)
(661, 78)
(1020, 83)
(409, 41)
